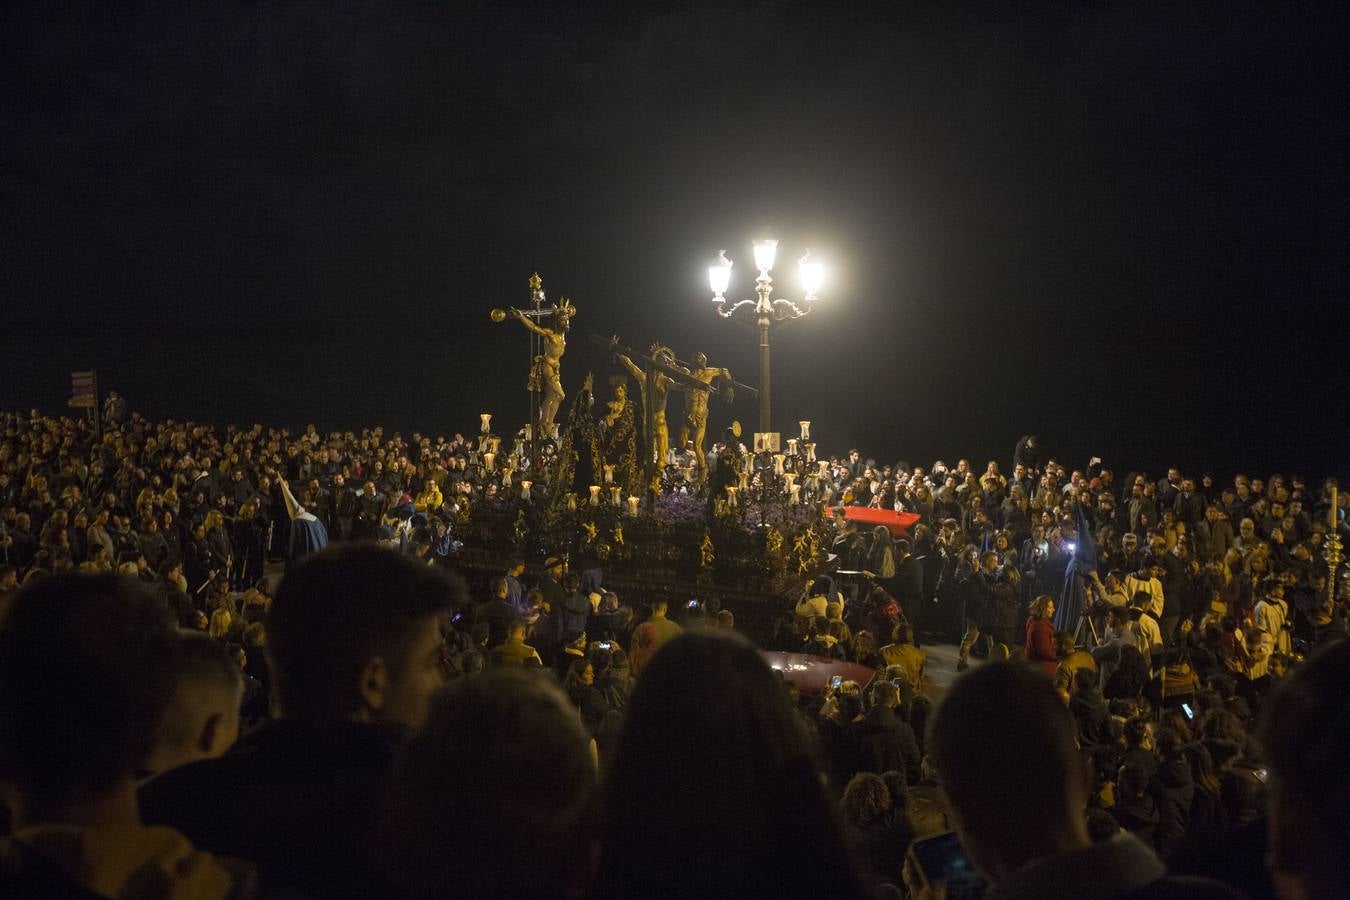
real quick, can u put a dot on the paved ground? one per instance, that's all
(940, 670)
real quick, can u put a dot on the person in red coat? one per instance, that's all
(1041, 634)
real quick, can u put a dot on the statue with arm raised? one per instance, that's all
(696, 409)
(546, 372)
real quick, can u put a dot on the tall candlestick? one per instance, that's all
(571, 501)
(486, 419)
(810, 451)
(824, 464)
(778, 463)
(806, 429)
(487, 460)
(609, 474)
(525, 490)
(731, 496)
(794, 494)
(632, 505)
(615, 495)
(595, 495)
(792, 446)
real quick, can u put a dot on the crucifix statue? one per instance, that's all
(546, 365)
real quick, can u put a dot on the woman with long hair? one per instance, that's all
(1040, 634)
(712, 791)
(579, 686)
(881, 555)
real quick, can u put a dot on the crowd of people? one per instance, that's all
(1161, 687)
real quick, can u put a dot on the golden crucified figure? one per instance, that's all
(660, 387)
(546, 373)
(696, 409)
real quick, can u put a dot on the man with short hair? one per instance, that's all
(650, 635)
(86, 665)
(202, 719)
(1019, 812)
(497, 613)
(354, 643)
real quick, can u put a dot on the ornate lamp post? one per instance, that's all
(764, 312)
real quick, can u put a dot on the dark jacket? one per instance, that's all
(300, 800)
(886, 742)
(1173, 790)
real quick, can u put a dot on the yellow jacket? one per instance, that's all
(429, 500)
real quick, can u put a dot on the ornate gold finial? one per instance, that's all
(536, 282)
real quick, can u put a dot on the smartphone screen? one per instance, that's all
(943, 861)
(1186, 708)
(836, 681)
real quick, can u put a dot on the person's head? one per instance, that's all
(660, 607)
(354, 634)
(515, 631)
(1138, 733)
(729, 820)
(886, 695)
(1025, 802)
(580, 674)
(500, 588)
(867, 800)
(1042, 607)
(85, 675)
(1305, 730)
(506, 751)
(202, 719)
(1131, 781)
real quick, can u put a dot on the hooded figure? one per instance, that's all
(1081, 571)
(308, 534)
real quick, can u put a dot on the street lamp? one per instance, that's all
(763, 311)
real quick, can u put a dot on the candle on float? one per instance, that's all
(810, 451)
(790, 479)
(824, 464)
(609, 474)
(778, 463)
(792, 446)
(745, 481)
(571, 501)
(595, 495)
(615, 495)
(794, 494)
(496, 443)
(486, 419)
(525, 490)
(488, 459)
(632, 505)
(806, 429)
(731, 496)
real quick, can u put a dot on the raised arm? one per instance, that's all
(632, 368)
(525, 320)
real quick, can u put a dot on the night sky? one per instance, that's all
(1119, 226)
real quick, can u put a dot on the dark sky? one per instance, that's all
(1120, 226)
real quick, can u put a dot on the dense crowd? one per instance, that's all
(368, 728)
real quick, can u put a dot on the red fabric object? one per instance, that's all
(1041, 644)
(897, 522)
